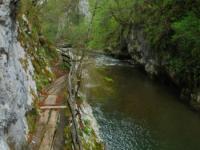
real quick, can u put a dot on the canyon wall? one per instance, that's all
(24, 69)
(16, 82)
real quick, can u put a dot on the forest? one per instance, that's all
(99, 74)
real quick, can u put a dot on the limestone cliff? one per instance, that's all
(18, 55)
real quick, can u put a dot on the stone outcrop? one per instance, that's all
(140, 51)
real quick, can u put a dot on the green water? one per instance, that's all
(135, 113)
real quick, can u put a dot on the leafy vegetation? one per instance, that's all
(62, 22)
(171, 27)
(108, 79)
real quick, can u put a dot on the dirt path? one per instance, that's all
(43, 138)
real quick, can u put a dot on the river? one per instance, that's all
(136, 113)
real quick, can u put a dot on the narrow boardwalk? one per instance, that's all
(49, 115)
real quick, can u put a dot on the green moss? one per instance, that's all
(31, 117)
(108, 79)
(41, 82)
(24, 63)
(68, 138)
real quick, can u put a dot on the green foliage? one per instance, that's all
(104, 26)
(63, 23)
(87, 130)
(77, 34)
(51, 14)
(111, 22)
(186, 37)
(171, 27)
(187, 32)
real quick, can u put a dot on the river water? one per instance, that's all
(136, 113)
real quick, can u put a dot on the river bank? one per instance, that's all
(84, 129)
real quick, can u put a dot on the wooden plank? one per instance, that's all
(47, 140)
(53, 107)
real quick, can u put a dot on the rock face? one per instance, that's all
(140, 52)
(16, 81)
(84, 8)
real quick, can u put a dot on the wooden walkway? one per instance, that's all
(43, 138)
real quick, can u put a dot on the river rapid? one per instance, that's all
(134, 112)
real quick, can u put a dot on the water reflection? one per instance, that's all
(138, 114)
